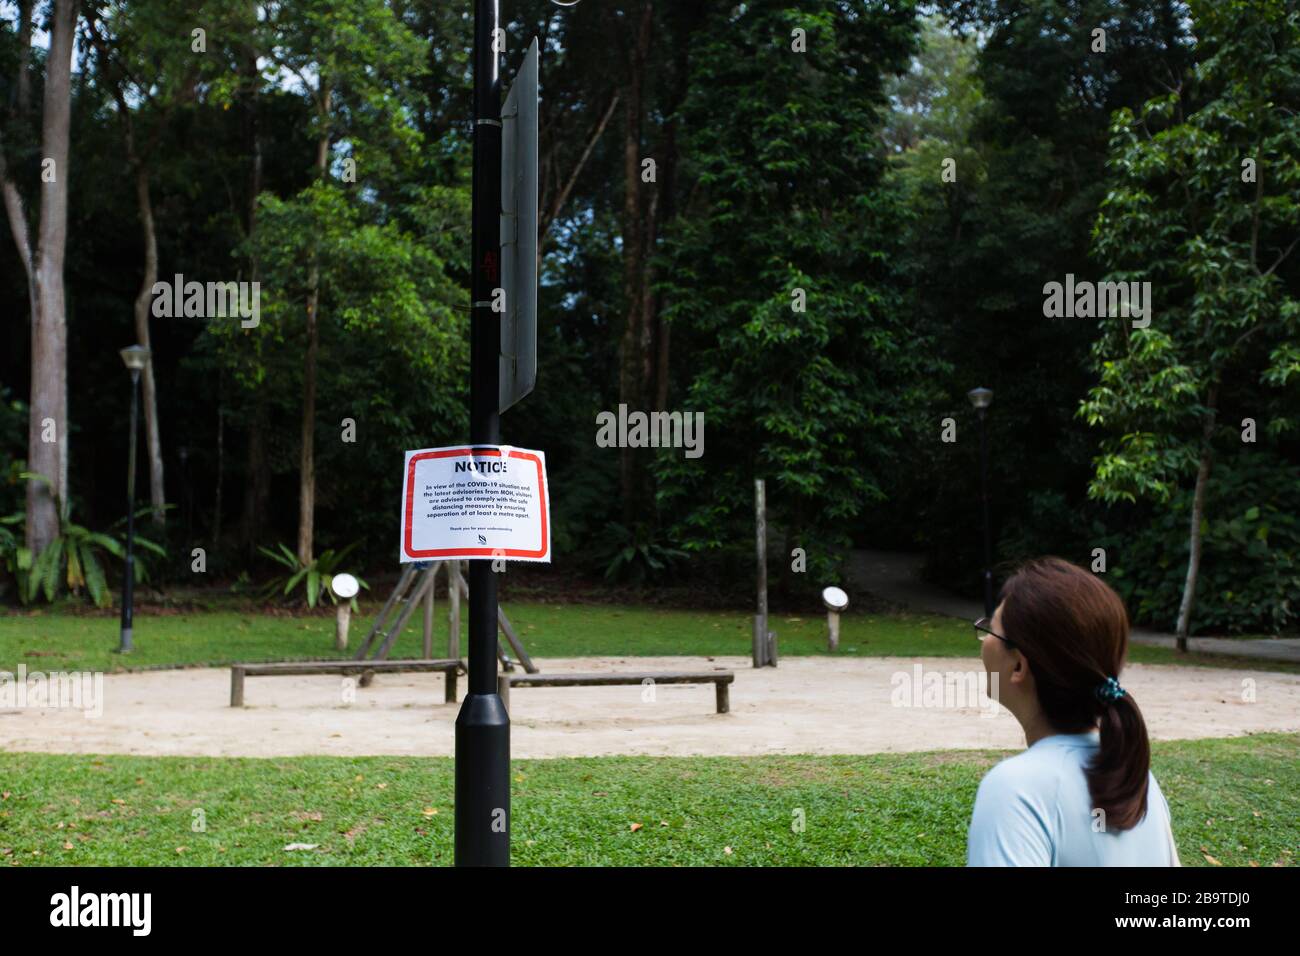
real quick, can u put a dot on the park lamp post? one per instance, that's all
(135, 357)
(982, 398)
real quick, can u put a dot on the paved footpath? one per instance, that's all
(896, 576)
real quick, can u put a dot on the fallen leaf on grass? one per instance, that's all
(430, 811)
(301, 846)
(727, 850)
(635, 827)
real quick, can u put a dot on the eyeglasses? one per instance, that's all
(984, 625)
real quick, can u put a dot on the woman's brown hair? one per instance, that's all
(1073, 630)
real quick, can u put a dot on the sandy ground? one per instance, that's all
(805, 706)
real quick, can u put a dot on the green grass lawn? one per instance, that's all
(56, 639)
(1235, 802)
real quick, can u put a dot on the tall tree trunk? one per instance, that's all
(257, 478)
(1194, 536)
(118, 78)
(153, 441)
(636, 354)
(686, 24)
(307, 464)
(49, 397)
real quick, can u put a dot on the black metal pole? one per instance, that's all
(483, 727)
(988, 540)
(128, 581)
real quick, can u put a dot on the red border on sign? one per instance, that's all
(484, 552)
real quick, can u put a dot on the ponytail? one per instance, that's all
(1117, 778)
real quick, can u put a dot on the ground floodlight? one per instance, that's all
(835, 599)
(346, 587)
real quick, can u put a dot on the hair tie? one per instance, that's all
(1109, 690)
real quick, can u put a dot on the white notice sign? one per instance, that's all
(475, 501)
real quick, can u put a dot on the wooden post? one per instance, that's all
(503, 690)
(236, 686)
(450, 695)
(724, 697)
(453, 595)
(341, 624)
(760, 646)
(428, 612)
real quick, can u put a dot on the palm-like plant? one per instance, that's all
(636, 555)
(72, 558)
(317, 577)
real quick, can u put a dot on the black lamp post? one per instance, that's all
(135, 357)
(982, 398)
(482, 836)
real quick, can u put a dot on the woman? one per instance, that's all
(1082, 794)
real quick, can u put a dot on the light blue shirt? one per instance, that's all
(1034, 809)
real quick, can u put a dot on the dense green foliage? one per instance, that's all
(1204, 204)
(848, 236)
(781, 278)
(1250, 564)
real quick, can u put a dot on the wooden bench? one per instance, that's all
(721, 681)
(365, 668)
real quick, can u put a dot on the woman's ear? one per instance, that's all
(1019, 668)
